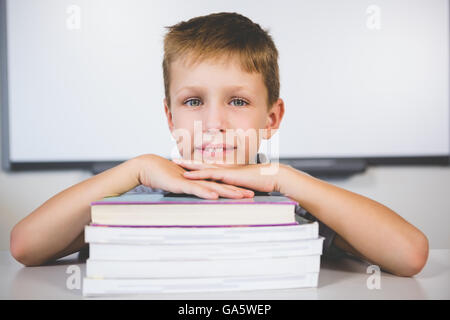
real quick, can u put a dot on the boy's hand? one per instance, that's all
(247, 176)
(159, 173)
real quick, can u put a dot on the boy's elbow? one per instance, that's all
(19, 248)
(417, 257)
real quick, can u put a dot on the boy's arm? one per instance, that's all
(364, 227)
(55, 229)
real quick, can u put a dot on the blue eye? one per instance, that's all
(196, 102)
(239, 102)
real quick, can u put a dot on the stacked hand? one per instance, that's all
(204, 180)
(250, 176)
(159, 173)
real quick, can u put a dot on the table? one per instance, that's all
(346, 278)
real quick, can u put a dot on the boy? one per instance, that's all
(221, 75)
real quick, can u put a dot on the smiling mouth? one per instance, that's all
(215, 149)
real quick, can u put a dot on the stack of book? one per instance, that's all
(155, 243)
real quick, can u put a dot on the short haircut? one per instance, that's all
(224, 34)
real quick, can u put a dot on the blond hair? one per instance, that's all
(224, 34)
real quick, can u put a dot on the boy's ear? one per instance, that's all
(168, 115)
(274, 117)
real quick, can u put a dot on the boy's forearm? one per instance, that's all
(54, 226)
(375, 231)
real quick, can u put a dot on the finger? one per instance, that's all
(192, 165)
(227, 176)
(205, 174)
(199, 190)
(224, 190)
(247, 193)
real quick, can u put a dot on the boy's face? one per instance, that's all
(219, 110)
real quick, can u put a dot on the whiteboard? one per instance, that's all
(358, 78)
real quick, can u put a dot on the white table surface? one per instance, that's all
(338, 279)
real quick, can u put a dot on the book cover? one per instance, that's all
(160, 198)
(144, 209)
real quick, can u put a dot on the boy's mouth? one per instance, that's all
(214, 149)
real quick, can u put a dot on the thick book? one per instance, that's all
(201, 268)
(139, 209)
(99, 287)
(146, 235)
(136, 252)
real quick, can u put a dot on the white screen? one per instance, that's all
(358, 78)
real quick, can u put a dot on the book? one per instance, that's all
(100, 287)
(137, 252)
(142, 243)
(202, 268)
(144, 209)
(142, 235)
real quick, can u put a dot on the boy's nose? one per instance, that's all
(215, 118)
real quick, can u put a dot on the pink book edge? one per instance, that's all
(190, 202)
(195, 226)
